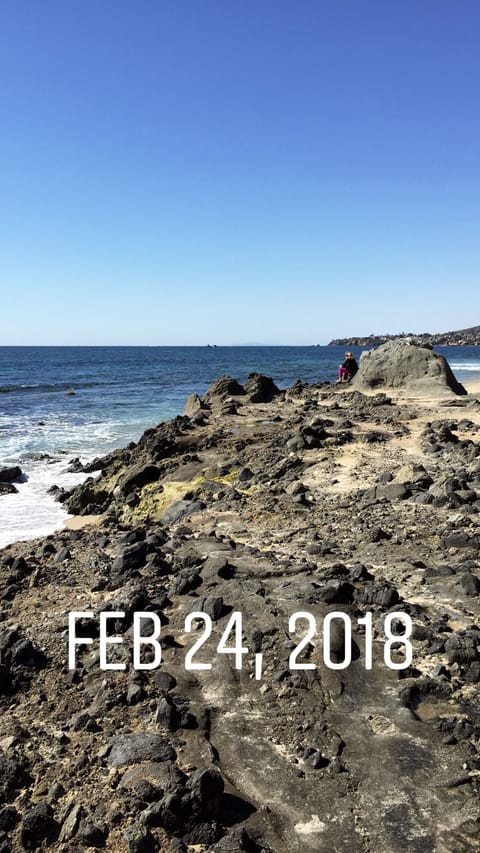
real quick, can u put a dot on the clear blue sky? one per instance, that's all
(209, 171)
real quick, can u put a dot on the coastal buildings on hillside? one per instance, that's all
(462, 337)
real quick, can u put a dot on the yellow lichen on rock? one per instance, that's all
(156, 498)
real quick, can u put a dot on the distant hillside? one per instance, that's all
(462, 337)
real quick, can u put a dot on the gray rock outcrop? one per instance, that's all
(222, 388)
(193, 406)
(261, 389)
(403, 364)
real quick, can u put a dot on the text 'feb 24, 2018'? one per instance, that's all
(335, 635)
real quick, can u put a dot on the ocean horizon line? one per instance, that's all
(160, 346)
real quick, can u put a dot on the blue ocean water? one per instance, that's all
(60, 402)
(119, 391)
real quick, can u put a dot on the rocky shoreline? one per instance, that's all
(265, 502)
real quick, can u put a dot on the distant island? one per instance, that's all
(462, 337)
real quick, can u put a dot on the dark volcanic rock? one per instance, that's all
(239, 840)
(141, 746)
(19, 655)
(164, 680)
(91, 834)
(9, 818)
(137, 477)
(166, 714)
(9, 474)
(87, 499)
(207, 788)
(140, 839)
(38, 827)
(470, 584)
(463, 647)
(190, 811)
(8, 489)
(213, 606)
(185, 582)
(14, 775)
(131, 558)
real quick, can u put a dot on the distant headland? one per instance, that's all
(462, 337)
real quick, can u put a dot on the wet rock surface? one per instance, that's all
(7, 475)
(7, 478)
(263, 503)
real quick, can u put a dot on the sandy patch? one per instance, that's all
(473, 387)
(80, 521)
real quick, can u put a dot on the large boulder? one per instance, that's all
(407, 365)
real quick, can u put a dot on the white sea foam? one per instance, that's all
(468, 366)
(43, 451)
(42, 444)
(32, 512)
(24, 437)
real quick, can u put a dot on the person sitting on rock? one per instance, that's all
(348, 369)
